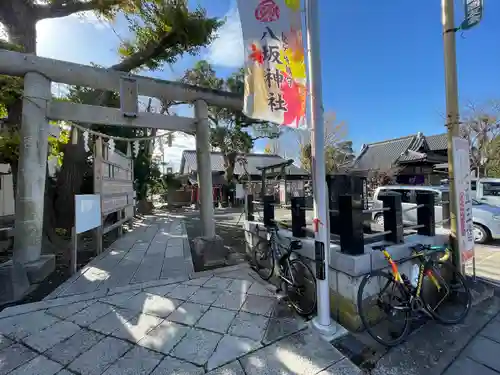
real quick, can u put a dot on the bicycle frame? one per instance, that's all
(283, 260)
(422, 271)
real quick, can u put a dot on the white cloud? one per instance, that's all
(91, 18)
(228, 49)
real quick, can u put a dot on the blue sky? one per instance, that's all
(382, 60)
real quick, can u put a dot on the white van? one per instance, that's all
(486, 190)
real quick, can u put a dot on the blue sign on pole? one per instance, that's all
(87, 212)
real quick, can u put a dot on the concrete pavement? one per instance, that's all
(487, 262)
(157, 248)
(225, 323)
(139, 309)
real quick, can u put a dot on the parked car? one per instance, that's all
(486, 217)
(486, 190)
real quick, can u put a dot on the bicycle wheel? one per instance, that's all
(450, 304)
(379, 313)
(263, 258)
(302, 292)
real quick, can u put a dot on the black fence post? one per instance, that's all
(425, 214)
(298, 216)
(351, 225)
(249, 207)
(268, 201)
(445, 203)
(393, 217)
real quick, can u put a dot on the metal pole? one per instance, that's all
(322, 322)
(452, 114)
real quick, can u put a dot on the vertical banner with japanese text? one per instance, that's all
(463, 204)
(275, 72)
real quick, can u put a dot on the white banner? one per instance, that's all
(463, 204)
(275, 74)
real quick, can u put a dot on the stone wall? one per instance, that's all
(346, 271)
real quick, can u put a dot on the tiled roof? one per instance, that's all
(437, 142)
(188, 163)
(385, 154)
(382, 155)
(410, 155)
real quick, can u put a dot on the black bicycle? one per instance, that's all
(297, 279)
(438, 290)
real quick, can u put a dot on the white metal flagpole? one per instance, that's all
(322, 322)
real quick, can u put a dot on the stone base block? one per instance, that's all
(210, 250)
(39, 269)
(14, 283)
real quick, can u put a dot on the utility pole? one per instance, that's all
(452, 113)
(322, 322)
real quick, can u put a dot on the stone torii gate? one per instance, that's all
(39, 109)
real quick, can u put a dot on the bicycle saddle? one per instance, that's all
(295, 244)
(420, 247)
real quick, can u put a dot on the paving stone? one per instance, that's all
(119, 299)
(164, 337)
(136, 302)
(299, 354)
(112, 321)
(176, 267)
(38, 366)
(125, 288)
(492, 331)
(18, 327)
(248, 325)
(66, 351)
(90, 314)
(14, 356)
(259, 305)
(149, 269)
(197, 346)
(218, 282)
(230, 348)
(100, 356)
(160, 306)
(161, 290)
(188, 313)
(461, 366)
(205, 296)
(282, 327)
(138, 361)
(233, 368)
(260, 290)
(183, 291)
(199, 281)
(216, 319)
(66, 311)
(484, 351)
(51, 335)
(242, 273)
(5, 342)
(173, 366)
(65, 372)
(240, 286)
(230, 300)
(136, 328)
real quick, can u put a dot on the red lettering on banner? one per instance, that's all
(267, 11)
(462, 213)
